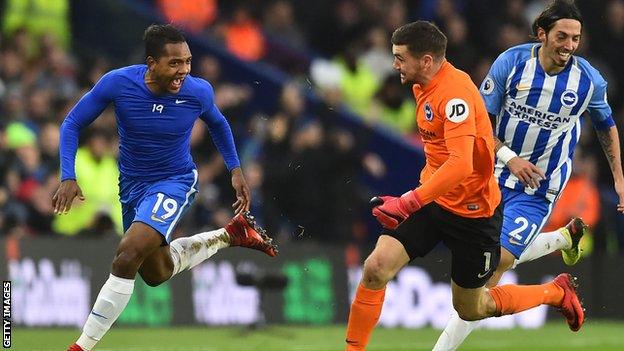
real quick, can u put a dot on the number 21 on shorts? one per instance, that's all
(518, 236)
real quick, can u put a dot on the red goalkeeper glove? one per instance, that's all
(391, 211)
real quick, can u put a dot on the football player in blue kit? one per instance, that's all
(156, 105)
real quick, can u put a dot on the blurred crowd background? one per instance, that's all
(310, 175)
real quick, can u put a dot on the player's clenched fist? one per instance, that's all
(391, 211)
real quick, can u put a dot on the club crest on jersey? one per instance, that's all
(488, 86)
(428, 112)
(456, 110)
(569, 98)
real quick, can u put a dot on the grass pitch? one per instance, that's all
(595, 335)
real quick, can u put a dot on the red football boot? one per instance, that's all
(75, 347)
(571, 307)
(244, 231)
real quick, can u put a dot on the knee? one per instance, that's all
(470, 311)
(127, 259)
(153, 281)
(154, 274)
(467, 312)
(376, 272)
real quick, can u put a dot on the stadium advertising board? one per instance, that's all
(54, 283)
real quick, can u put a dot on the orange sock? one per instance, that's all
(517, 298)
(365, 311)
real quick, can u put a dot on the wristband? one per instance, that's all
(505, 154)
(411, 200)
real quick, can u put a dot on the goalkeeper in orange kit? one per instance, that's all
(457, 201)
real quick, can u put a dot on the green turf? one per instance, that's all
(598, 336)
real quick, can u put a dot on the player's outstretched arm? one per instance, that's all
(610, 142)
(243, 195)
(65, 195)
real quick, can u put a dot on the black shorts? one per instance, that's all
(474, 242)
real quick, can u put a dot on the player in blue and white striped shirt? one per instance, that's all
(537, 93)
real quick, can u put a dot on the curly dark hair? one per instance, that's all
(157, 36)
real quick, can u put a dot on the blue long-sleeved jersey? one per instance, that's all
(154, 130)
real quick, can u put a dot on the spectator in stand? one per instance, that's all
(308, 174)
(232, 99)
(39, 108)
(392, 14)
(293, 105)
(13, 106)
(12, 69)
(357, 82)
(276, 186)
(58, 71)
(393, 108)
(376, 57)
(95, 166)
(459, 50)
(608, 46)
(192, 15)
(285, 43)
(346, 162)
(243, 36)
(279, 23)
(39, 18)
(25, 173)
(48, 144)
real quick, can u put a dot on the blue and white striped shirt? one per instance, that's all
(538, 114)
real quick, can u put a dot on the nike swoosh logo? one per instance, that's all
(523, 87)
(514, 241)
(351, 342)
(156, 219)
(97, 314)
(180, 101)
(481, 275)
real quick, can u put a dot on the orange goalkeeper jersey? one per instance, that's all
(459, 145)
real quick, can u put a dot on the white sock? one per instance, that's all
(188, 252)
(542, 245)
(109, 304)
(455, 333)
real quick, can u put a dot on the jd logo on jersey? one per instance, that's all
(456, 110)
(428, 112)
(569, 98)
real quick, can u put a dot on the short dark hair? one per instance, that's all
(556, 10)
(421, 37)
(157, 36)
